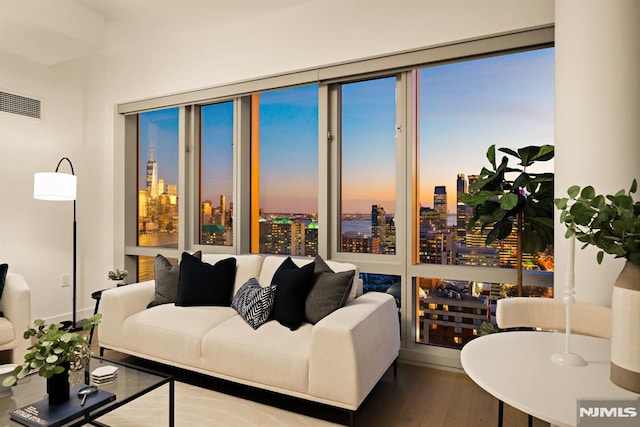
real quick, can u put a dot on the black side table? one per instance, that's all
(96, 296)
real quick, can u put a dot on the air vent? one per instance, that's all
(16, 104)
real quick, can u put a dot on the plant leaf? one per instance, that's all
(573, 191)
(588, 192)
(491, 155)
(508, 201)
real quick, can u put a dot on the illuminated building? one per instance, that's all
(311, 239)
(161, 189)
(462, 211)
(378, 226)
(353, 241)
(143, 204)
(448, 315)
(297, 239)
(152, 175)
(436, 246)
(440, 204)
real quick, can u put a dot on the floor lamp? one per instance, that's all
(60, 186)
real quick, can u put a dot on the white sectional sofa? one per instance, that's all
(16, 306)
(336, 362)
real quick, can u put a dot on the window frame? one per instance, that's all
(401, 64)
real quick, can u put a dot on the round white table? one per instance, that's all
(516, 368)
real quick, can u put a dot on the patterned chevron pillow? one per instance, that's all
(254, 303)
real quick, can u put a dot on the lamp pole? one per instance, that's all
(60, 186)
(75, 248)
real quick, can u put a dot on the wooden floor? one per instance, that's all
(417, 396)
(428, 397)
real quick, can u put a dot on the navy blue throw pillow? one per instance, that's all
(201, 283)
(4, 268)
(292, 286)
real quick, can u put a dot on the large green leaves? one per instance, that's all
(503, 192)
(611, 222)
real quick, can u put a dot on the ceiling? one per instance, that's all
(53, 31)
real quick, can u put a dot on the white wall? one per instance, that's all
(36, 236)
(597, 126)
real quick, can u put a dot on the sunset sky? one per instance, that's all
(464, 108)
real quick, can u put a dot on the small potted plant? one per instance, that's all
(54, 353)
(117, 274)
(612, 224)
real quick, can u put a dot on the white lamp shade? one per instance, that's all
(54, 186)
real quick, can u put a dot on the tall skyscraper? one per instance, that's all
(161, 189)
(461, 208)
(378, 225)
(223, 209)
(152, 175)
(472, 180)
(440, 204)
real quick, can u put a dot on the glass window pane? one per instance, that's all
(146, 267)
(368, 178)
(216, 174)
(389, 283)
(450, 312)
(158, 178)
(285, 135)
(464, 108)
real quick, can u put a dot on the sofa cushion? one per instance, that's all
(172, 333)
(4, 268)
(329, 291)
(293, 284)
(204, 284)
(167, 277)
(254, 303)
(272, 355)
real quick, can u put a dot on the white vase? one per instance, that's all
(625, 329)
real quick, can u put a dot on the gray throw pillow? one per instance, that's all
(167, 277)
(329, 291)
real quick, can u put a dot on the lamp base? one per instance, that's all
(568, 359)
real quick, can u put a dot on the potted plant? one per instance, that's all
(117, 274)
(55, 351)
(612, 224)
(513, 199)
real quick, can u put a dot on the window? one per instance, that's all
(368, 180)
(388, 283)
(285, 172)
(216, 174)
(146, 267)
(158, 178)
(464, 108)
(360, 162)
(450, 312)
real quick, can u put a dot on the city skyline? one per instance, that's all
(464, 108)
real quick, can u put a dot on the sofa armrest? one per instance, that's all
(353, 347)
(16, 305)
(116, 304)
